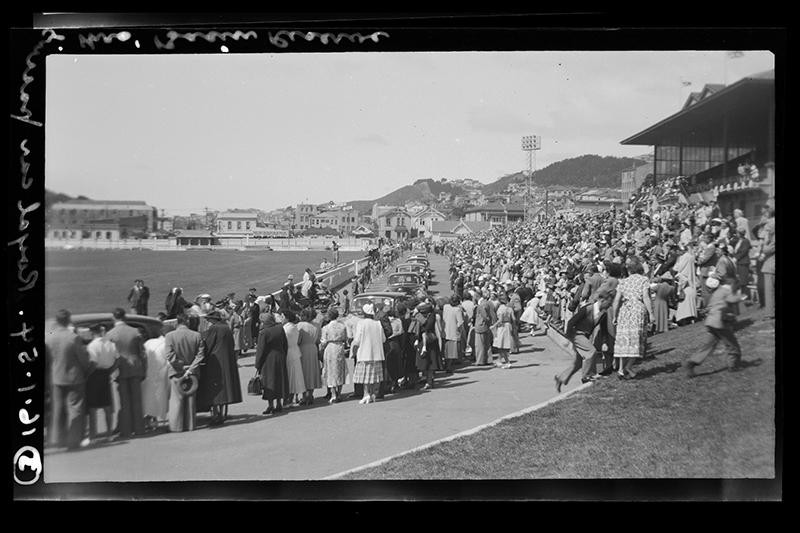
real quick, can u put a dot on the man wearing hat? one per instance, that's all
(220, 385)
(185, 353)
(138, 297)
(132, 371)
(581, 329)
(292, 289)
(285, 297)
(741, 255)
(593, 281)
(706, 258)
(70, 367)
(719, 323)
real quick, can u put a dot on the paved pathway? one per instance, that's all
(322, 441)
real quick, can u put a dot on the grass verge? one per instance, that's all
(718, 425)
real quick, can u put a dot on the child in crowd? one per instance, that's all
(719, 326)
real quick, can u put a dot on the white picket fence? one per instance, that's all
(317, 245)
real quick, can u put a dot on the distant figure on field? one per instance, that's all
(138, 298)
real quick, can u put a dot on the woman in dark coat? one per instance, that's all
(271, 362)
(220, 385)
(428, 349)
(175, 304)
(411, 374)
(393, 350)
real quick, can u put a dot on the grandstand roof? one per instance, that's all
(712, 102)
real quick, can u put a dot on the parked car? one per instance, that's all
(82, 322)
(416, 268)
(390, 299)
(407, 282)
(420, 260)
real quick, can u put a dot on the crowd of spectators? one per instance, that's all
(558, 265)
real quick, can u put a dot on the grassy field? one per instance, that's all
(718, 425)
(86, 281)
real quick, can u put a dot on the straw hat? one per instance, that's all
(187, 385)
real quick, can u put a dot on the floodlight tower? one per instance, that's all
(530, 143)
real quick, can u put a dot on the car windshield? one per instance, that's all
(403, 279)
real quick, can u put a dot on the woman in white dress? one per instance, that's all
(685, 274)
(156, 386)
(503, 338)
(531, 313)
(297, 384)
(332, 341)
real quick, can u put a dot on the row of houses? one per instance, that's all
(122, 220)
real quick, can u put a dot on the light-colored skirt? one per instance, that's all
(312, 373)
(334, 370)
(452, 349)
(503, 338)
(297, 383)
(368, 372)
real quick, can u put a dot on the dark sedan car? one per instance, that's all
(82, 322)
(388, 298)
(407, 282)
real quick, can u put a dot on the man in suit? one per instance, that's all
(719, 326)
(767, 262)
(69, 367)
(185, 353)
(593, 281)
(581, 329)
(132, 371)
(741, 255)
(485, 316)
(138, 297)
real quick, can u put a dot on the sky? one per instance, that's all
(185, 133)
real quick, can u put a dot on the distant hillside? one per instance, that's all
(584, 171)
(592, 171)
(422, 190)
(51, 198)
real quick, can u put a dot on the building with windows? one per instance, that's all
(303, 216)
(717, 130)
(343, 220)
(422, 221)
(595, 201)
(394, 224)
(134, 218)
(189, 237)
(448, 230)
(497, 213)
(236, 224)
(632, 179)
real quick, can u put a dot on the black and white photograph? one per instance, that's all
(408, 261)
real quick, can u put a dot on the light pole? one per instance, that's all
(530, 143)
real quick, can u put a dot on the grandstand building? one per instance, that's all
(496, 213)
(101, 219)
(719, 131)
(236, 224)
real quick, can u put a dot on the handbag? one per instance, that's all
(255, 386)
